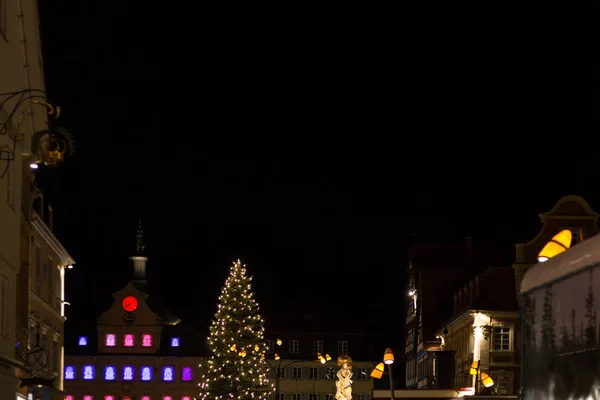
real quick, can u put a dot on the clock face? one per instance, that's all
(129, 303)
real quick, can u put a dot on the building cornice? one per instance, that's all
(47, 307)
(40, 227)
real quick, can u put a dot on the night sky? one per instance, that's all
(312, 150)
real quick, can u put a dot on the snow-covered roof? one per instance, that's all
(584, 254)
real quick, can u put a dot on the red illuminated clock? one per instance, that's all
(129, 304)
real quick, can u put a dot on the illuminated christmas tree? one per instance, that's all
(237, 368)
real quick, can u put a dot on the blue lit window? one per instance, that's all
(89, 372)
(128, 373)
(69, 372)
(110, 373)
(146, 373)
(168, 374)
(175, 342)
(82, 341)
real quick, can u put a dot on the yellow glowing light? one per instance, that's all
(559, 244)
(256, 347)
(277, 356)
(474, 370)
(327, 357)
(233, 347)
(242, 353)
(279, 342)
(377, 372)
(486, 380)
(388, 356)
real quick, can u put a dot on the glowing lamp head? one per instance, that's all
(242, 353)
(388, 356)
(377, 372)
(327, 357)
(486, 380)
(277, 358)
(33, 166)
(233, 347)
(279, 342)
(474, 370)
(559, 244)
(256, 347)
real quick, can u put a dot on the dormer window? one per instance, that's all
(186, 374)
(109, 373)
(168, 374)
(129, 340)
(146, 373)
(110, 340)
(83, 341)
(89, 372)
(175, 342)
(128, 373)
(146, 340)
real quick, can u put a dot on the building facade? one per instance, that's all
(485, 328)
(570, 212)
(21, 69)
(296, 370)
(138, 352)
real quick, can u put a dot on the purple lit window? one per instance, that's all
(175, 342)
(69, 372)
(167, 374)
(146, 373)
(88, 397)
(110, 373)
(186, 397)
(145, 398)
(110, 340)
(128, 373)
(82, 341)
(89, 372)
(186, 374)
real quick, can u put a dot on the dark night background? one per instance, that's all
(312, 149)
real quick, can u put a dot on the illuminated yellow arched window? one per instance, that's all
(559, 243)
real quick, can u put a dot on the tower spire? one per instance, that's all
(139, 259)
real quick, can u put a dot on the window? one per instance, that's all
(342, 347)
(175, 342)
(360, 396)
(330, 373)
(167, 397)
(146, 340)
(167, 374)
(503, 383)
(89, 372)
(186, 374)
(576, 237)
(128, 340)
(49, 283)
(361, 374)
(110, 340)
(294, 347)
(68, 396)
(4, 305)
(501, 338)
(88, 397)
(313, 373)
(270, 346)
(110, 373)
(83, 341)
(327, 396)
(146, 397)
(186, 397)
(109, 397)
(281, 396)
(312, 396)
(281, 373)
(296, 372)
(317, 346)
(296, 396)
(128, 373)
(69, 372)
(146, 373)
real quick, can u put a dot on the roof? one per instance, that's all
(577, 258)
(153, 301)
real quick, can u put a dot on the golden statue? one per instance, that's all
(344, 374)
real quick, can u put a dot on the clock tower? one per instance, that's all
(139, 259)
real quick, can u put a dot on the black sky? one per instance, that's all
(310, 149)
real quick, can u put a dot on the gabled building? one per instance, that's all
(138, 352)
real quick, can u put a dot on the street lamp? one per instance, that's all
(485, 379)
(379, 370)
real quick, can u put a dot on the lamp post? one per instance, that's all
(482, 377)
(379, 370)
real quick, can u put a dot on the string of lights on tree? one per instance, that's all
(237, 368)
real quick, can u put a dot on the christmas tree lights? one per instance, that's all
(237, 368)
